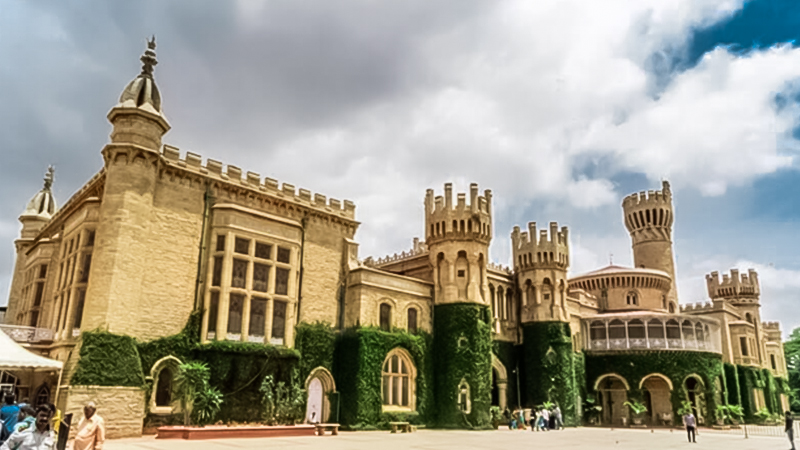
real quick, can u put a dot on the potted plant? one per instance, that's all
(494, 411)
(637, 409)
(592, 410)
(735, 415)
(722, 415)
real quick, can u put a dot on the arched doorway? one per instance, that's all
(319, 384)
(657, 390)
(499, 384)
(613, 393)
(695, 393)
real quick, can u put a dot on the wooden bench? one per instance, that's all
(404, 427)
(321, 428)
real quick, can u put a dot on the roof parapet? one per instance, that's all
(733, 285)
(252, 180)
(546, 248)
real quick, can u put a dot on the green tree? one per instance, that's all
(791, 349)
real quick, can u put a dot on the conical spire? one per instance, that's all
(142, 91)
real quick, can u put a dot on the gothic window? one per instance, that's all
(412, 320)
(655, 329)
(636, 329)
(220, 242)
(241, 245)
(213, 312)
(258, 315)
(87, 264)
(673, 329)
(501, 302)
(284, 255)
(743, 346)
(216, 277)
(239, 273)
(773, 362)
(398, 378)
(260, 277)
(164, 387)
(263, 251)
(235, 307)
(385, 318)
(279, 322)
(632, 298)
(81, 297)
(42, 395)
(281, 281)
(671, 308)
(616, 329)
(597, 331)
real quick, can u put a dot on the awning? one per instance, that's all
(14, 356)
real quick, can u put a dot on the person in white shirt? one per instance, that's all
(691, 426)
(40, 437)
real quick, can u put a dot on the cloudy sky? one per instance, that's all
(560, 107)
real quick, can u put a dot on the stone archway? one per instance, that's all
(613, 393)
(319, 385)
(162, 399)
(657, 390)
(499, 383)
(695, 393)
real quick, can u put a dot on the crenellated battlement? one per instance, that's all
(232, 174)
(773, 326)
(700, 306)
(650, 210)
(499, 268)
(418, 248)
(460, 220)
(733, 286)
(538, 249)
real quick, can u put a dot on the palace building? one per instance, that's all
(180, 258)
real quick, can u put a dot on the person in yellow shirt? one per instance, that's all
(91, 432)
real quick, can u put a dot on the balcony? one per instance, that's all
(746, 360)
(651, 331)
(28, 335)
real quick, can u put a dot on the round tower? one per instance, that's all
(458, 236)
(648, 218)
(541, 262)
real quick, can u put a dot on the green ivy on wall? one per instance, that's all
(676, 365)
(107, 359)
(507, 353)
(462, 343)
(732, 384)
(316, 343)
(357, 364)
(549, 367)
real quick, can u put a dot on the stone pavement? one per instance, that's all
(582, 438)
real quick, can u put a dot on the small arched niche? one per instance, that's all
(163, 400)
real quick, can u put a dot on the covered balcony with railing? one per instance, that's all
(651, 331)
(28, 335)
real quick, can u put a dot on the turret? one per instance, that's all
(458, 237)
(736, 288)
(648, 217)
(542, 260)
(40, 209)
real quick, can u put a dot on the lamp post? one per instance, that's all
(519, 398)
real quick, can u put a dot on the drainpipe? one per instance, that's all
(200, 278)
(303, 223)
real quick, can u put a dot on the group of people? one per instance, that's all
(24, 427)
(543, 419)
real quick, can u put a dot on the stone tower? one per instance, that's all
(131, 168)
(38, 212)
(541, 260)
(541, 263)
(649, 218)
(458, 236)
(742, 291)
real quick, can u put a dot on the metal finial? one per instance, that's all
(149, 57)
(48, 177)
(610, 259)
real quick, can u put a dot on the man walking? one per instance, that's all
(790, 428)
(91, 430)
(691, 425)
(559, 418)
(39, 437)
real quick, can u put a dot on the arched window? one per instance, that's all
(632, 298)
(510, 304)
(42, 395)
(398, 380)
(464, 400)
(386, 317)
(412, 320)
(673, 330)
(749, 317)
(671, 308)
(636, 334)
(164, 387)
(501, 303)
(597, 331)
(655, 329)
(616, 329)
(494, 301)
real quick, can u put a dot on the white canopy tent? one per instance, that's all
(15, 357)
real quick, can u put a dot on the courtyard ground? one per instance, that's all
(583, 438)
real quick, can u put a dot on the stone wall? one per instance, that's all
(368, 288)
(122, 408)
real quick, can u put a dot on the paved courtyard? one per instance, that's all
(584, 438)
